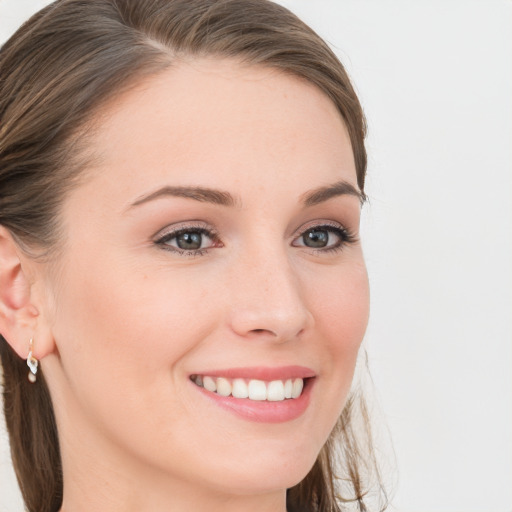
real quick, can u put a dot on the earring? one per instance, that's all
(32, 363)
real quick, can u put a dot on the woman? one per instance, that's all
(181, 273)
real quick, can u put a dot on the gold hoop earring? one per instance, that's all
(32, 363)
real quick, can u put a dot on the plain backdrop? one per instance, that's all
(435, 80)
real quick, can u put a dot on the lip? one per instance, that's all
(262, 373)
(262, 411)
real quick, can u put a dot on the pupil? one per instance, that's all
(316, 238)
(189, 241)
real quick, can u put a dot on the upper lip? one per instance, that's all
(262, 373)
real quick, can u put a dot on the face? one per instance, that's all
(214, 245)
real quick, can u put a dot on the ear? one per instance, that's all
(20, 318)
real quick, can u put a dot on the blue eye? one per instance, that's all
(189, 240)
(324, 237)
(316, 238)
(195, 240)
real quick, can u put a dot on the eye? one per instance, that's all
(317, 238)
(188, 240)
(324, 238)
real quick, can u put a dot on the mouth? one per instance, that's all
(252, 389)
(258, 394)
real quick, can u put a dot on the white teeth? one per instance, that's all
(257, 390)
(240, 389)
(209, 384)
(298, 384)
(288, 386)
(274, 391)
(223, 387)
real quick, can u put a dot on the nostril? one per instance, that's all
(262, 322)
(260, 332)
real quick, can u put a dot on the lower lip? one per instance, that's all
(263, 411)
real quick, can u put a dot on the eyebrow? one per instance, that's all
(340, 188)
(202, 194)
(223, 198)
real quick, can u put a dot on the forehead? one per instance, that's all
(212, 119)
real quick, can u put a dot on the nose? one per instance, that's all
(268, 300)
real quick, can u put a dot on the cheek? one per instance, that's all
(341, 317)
(341, 309)
(123, 335)
(131, 327)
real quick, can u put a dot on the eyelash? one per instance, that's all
(344, 235)
(174, 234)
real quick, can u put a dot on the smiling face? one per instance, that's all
(215, 245)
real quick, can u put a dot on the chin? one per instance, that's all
(266, 473)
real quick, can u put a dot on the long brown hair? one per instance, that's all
(55, 72)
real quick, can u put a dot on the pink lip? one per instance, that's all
(263, 411)
(262, 373)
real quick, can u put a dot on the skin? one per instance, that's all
(124, 321)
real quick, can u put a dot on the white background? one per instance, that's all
(435, 79)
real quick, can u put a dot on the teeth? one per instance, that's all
(223, 387)
(257, 390)
(209, 384)
(298, 384)
(240, 389)
(274, 391)
(288, 386)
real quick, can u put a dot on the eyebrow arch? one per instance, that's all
(220, 197)
(202, 194)
(321, 194)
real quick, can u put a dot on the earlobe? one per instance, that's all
(18, 316)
